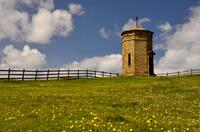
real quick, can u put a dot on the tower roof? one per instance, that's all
(136, 28)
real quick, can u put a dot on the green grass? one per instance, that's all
(117, 104)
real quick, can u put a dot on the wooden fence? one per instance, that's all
(181, 73)
(52, 74)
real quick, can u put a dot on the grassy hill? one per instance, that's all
(116, 104)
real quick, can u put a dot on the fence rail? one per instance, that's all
(181, 73)
(52, 74)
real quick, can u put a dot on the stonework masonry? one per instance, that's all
(137, 53)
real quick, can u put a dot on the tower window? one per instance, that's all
(129, 59)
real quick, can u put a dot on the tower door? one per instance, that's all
(151, 65)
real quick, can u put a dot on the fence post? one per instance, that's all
(95, 73)
(36, 72)
(178, 74)
(191, 72)
(87, 73)
(23, 74)
(110, 74)
(166, 74)
(58, 76)
(47, 74)
(102, 73)
(8, 74)
(68, 73)
(78, 73)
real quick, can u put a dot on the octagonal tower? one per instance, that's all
(137, 51)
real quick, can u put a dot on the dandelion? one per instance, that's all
(91, 113)
(71, 126)
(155, 122)
(11, 118)
(148, 121)
(118, 130)
(131, 130)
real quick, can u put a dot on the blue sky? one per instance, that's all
(84, 41)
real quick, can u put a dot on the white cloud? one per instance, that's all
(109, 63)
(160, 46)
(76, 9)
(128, 25)
(103, 33)
(47, 4)
(144, 20)
(47, 24)
(183, 46)
(131, 23)
(36, 28)
(165, 27)
(13, 23)
(18, 59)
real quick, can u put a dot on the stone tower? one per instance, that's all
(137, 53)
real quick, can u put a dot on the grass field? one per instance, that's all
(116, 104)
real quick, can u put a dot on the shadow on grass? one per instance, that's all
(125, 105)
(116, 118)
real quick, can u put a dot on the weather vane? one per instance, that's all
(137, 22)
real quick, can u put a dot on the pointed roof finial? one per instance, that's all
(137, 22)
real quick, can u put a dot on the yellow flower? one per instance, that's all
(114, 129)
(71, 126)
